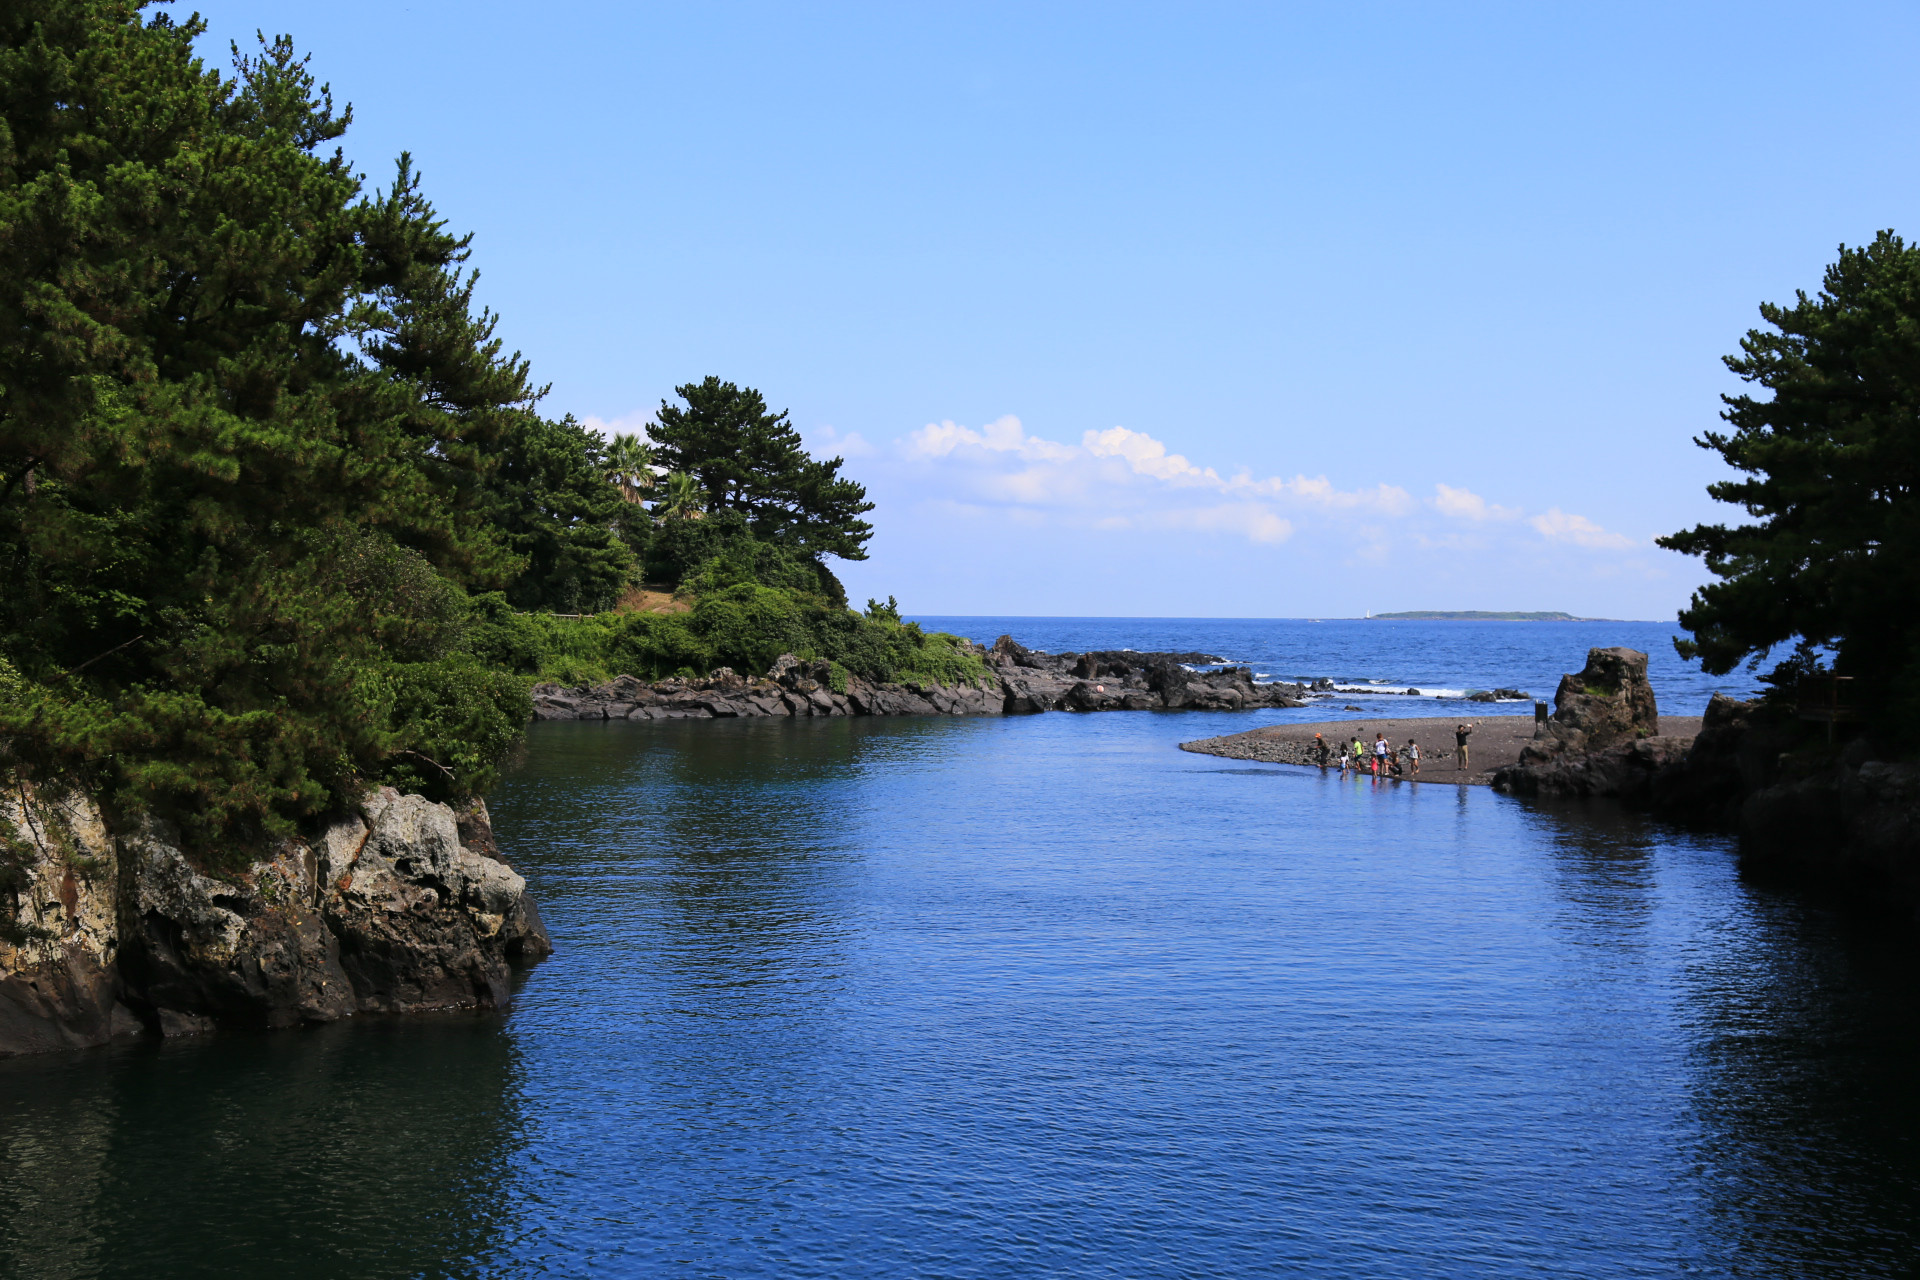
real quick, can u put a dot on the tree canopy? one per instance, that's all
(750, 460)
(1830, 460)
(278, 514)
(248, 415)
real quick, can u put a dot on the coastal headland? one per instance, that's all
(1021, 681)
(1497, 742)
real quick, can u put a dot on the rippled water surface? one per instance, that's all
(1041, 996)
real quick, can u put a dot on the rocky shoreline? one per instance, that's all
(1829, 816)
(402, 906)
(1022, 682)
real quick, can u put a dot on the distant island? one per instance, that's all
(1478, 615)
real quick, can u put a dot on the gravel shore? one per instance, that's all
(1496, 742)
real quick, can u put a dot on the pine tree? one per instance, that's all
(751, 461)
(1832, 460)
(248, 419)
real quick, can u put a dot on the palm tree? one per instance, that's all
(629, 465)
(640, 474)
(682, 500)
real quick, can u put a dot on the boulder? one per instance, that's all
(1018, 697)
(251, 949)
(423, 921)
(1607, 702)
(1088, 696)
(1008, 652)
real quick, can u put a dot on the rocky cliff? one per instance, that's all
(1833, 815)
(402, 906)
(1022, 682)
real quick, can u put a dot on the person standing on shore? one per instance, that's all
(1320, 749)
(1382, 755)
(1359, 754)
(1412, 754)
(1461, 733)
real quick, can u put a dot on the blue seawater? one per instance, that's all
(1383, 657)
(1042, 996)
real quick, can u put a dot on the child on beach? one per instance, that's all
(1412, 753)
(1359, 754)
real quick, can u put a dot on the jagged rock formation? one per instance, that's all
(1832, 817)
(1603, 737)
(400, 907)
(1023, 682)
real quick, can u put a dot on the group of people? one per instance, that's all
(1381, 758)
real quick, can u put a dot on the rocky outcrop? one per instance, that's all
(59, 923)
(402, 906)
(1022, 682)
(1729, 760)
(1603, 738)
(1605, 703)
(1830, 817)
(1835, 817)
(1625, 771)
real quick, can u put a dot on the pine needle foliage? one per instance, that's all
(1830, 463)
(248, 417)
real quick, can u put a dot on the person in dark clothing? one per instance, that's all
(1461, 733)
(1320, 750)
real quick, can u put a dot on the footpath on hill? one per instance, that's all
(1496, 742)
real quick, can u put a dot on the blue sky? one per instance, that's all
(1206, 310)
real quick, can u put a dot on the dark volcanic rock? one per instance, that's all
(1603, 738)
(1608, 701)
(1025, 682)
(1626, 771)
(1707, 786)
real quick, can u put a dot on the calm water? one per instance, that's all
(1044, 996)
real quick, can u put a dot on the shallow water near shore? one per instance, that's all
(1038, 996)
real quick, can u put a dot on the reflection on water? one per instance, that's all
(1041, 996)
(377, 1149)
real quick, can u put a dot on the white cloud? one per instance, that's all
(829, 442)
(639, 422)
(1464, 504)
(1002, 435)
(1146, 456)
(1120, 478)
(1386, 499)
(1560, 526)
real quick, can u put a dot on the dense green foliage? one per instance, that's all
(1831, 459)
(750, 461)
(277, 514)
(247, 418)
(574, 532)
(744, 626)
